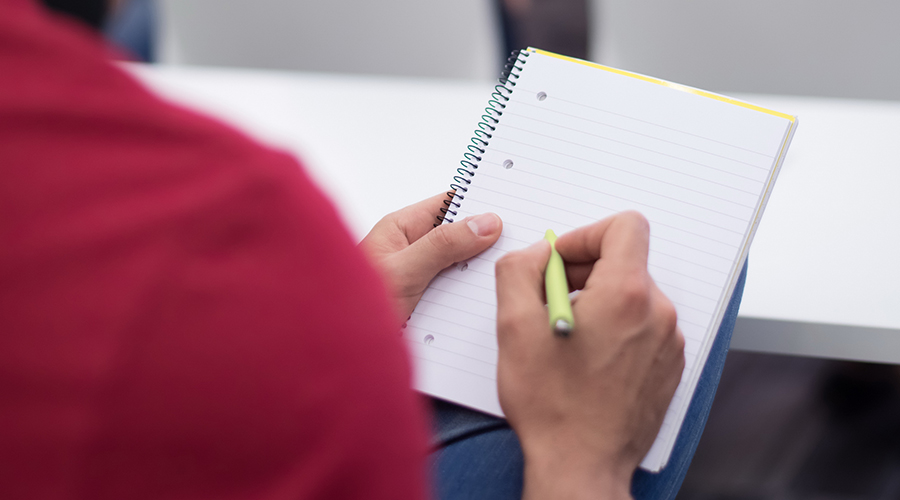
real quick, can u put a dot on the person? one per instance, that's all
(185, 316)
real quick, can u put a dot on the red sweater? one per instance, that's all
(182, 313)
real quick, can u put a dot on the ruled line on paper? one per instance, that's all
(612, 200)
(693, 249)
(626, 130)
(612, 167)
(657, 222)
(679, 302)
(420, 328)
(611, 210)
(708, 292)
(693, 334)
(461, 294)
(587, 219)
(471, 270)
(659, 281)
(654, 223)
(688, 276)
(531, 235)
(526, 228)
(691, 348)
(524, 242)
(690, 292)
(698, 262)
(417, 356)
(657, 251)
(489, 334)
(488, 364)
(612, 153)
(500, 245)
(479, 307)
(661, 226)
(652, 215)
(697, 319)
(623, 156)
(554, 151)
(485, 259)
(441, 341)
(660, 252)
(492, 300)
(534, 216)
(470, 283)
(464, 311)
(518, 89)
(606, 193)
(695, 309)
(475, 350)
(487, 274)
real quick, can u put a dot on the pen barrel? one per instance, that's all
(557, 289)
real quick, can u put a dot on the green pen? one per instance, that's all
(561, 319)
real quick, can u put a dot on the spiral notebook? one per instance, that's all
(564, 143)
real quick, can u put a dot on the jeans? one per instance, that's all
(478, 456)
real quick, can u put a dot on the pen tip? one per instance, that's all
(562, 328)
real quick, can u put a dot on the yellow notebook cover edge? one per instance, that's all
(676, 86)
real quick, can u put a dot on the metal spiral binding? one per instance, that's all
(480, 140)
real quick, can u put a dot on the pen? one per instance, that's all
(561, 319)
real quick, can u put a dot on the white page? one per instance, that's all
(699, 167)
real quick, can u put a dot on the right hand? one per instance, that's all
(587, 408)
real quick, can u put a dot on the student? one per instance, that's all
(182, 315)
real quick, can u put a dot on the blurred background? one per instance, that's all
(832, 48)
(782, 427)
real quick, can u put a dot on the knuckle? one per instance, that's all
(679, 353)
(393, 217)
(678, 340)
(634, 293)
(668, 316)
(442, 237)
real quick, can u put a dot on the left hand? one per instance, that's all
(409, 251)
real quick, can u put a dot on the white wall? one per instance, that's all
(843, 48)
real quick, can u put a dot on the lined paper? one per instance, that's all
(698, 168)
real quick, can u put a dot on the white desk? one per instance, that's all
(824, 272)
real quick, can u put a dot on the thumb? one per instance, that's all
(449, 243)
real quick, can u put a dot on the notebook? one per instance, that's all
(564, 143)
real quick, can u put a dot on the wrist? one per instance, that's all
(566, 476)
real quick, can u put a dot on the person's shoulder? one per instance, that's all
(214, 287)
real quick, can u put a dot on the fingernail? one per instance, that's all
(484, 224)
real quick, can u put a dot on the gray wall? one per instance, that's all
(843, 48)
(454, 38)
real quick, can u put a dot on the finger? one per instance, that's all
(577, 274)
(419, 218)
(449, 243)
(520, 292)
(623, 238)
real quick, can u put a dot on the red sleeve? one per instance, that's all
(182, 313)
